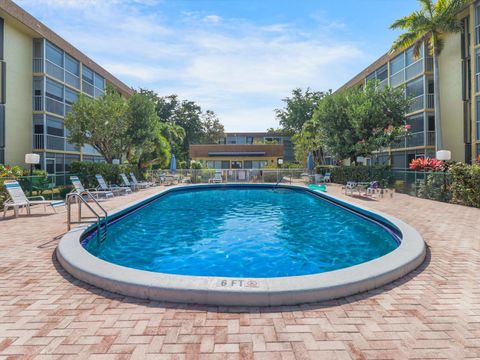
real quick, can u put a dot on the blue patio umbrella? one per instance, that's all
(173, 164)
(310, 162)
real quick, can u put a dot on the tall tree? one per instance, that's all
(429, 25)
(143, 125)
(101, 123)
(357, 122)
(213, 130)
(298, 109)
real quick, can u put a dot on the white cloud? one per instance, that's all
(234, 67)
(214, 19)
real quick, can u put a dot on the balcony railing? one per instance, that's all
(37, 65)
(430, 101)
(416, 139)
(38, 141)
(53, 143)
(54, 70)
(416, 103)
(38, 103)
(54, 106)
(421, 102)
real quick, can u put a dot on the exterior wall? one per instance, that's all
(18, 109)
(451, 104)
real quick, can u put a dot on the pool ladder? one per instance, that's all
(100, 215)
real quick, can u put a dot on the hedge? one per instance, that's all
(465, 184)
(343, 174)
(111, 173)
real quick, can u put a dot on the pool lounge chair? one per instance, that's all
(217, 178)
(79, 189)
(18, 199)
(140, 184)
(102, 185)
(127, 183)
(351, 187)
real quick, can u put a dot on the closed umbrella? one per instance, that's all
(310, 163)
(173, 164)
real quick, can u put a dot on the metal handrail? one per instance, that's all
(79, 197)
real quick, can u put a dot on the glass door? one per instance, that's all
(50, 166)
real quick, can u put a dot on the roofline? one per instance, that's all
(36, 26)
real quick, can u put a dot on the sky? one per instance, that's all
(238, 58)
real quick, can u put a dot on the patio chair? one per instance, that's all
(18, 200)
(327, 177)
(351, 186)
(217, 178)
(79, 189)
(102, 185)
(127, 183)
(140, 184)
(373, 188)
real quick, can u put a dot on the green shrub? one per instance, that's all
(435, 187)
(8, 173)
(86, 171)
(465, 186)
(343, 174)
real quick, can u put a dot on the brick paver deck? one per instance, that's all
(432, 313)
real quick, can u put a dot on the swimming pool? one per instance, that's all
(243, 245)
(243, 232)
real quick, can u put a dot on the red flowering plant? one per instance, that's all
(477, 160)
(426, 164)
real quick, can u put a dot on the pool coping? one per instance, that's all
(243, 291)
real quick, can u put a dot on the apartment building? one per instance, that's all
(42, 75)
(459, 74)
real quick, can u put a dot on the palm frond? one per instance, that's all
(427, 6)
(404, 41)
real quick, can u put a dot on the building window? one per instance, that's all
(397, 64)
(477, 70)
(87, 75)
(54, 126)
(54, 90)
(54, 54)
(72, 65)
(70, 96)
(416, 123)
(414, 88)
(99, 82)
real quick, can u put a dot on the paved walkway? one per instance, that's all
(432, 313)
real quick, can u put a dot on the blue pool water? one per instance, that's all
(242, 232)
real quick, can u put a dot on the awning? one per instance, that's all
(236, 153)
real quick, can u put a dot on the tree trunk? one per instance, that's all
(436, 95)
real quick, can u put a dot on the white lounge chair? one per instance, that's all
(79, 189)
(350, 187)
(18, 199)
(113, 188)
(217, 178)
(140, 184)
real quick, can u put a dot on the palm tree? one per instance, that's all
(429, 25)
